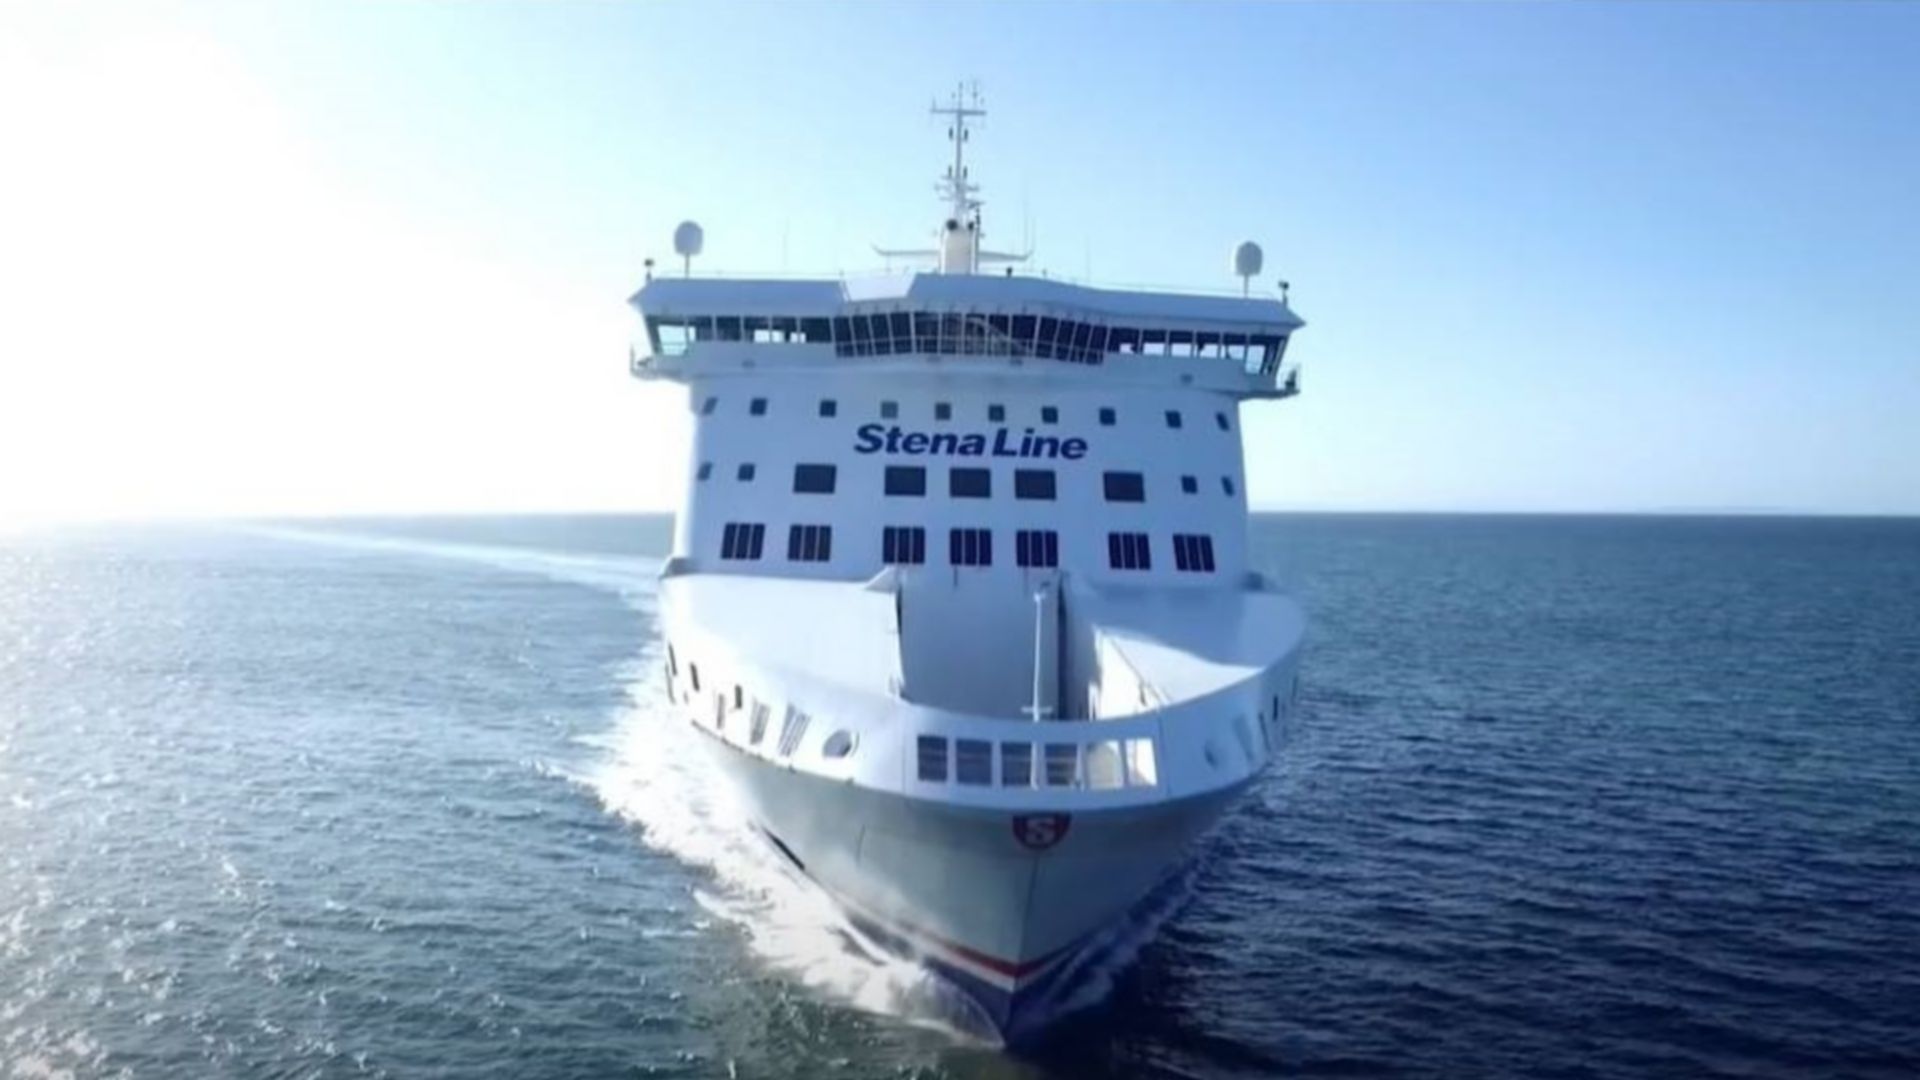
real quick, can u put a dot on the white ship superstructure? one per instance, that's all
(960, 594)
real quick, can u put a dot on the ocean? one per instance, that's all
(1567, 797)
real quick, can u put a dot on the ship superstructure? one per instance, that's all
(960, 595)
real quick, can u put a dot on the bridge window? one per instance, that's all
(705, 470)
(1193, 552)
(1190, 485)
(1063, 764)
(1129, 551)
(932, 755)
(758, 406)
(969, 483)
(816, 331)
(889, 410)
(1016, 764)
(942, 410)
(829, 407)
(1125, 487)
(906, 480)
(1123, 340)
(742, 540)
(1173, 418)
(973, 761)
(1043, 342)
(970, 547)
(810, 543)
(903, 545)
(1033, 484)
(1106, 417)
(814, 479)
(1036, 547)
(744, 472)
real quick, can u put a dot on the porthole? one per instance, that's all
(838, 745)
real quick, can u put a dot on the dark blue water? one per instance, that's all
(1568, 797)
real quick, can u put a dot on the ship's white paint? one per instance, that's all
(1140, 701)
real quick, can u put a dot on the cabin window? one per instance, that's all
(942, 410)
(906, 480)
(706, 470)
(1193, 552)
(903, 545)
(1033, 484)
(809, 543)
(970, 547)
(693, 676)
(673, 663)
(758, 406)
(973, 761)
(932, 755)
(902, 326)
(1123, 340)
(707, 406)
(996, 414)
(1043, 339)
(1049, 414)
(889, 410)
(812, 479)
(739, 697)
(792, 727)
(1129, 551)
(969, 483)
(1016, 764)
(1098, 345)
(1190, 484)
(816, 331)
(757, 722)
(742, 540)
(1220, 418)
(744, 472)
(829, 407)
(1173, 418)
(1226, 484)
(1037, 548)
(837, 745)
(1106, 417)
(1063, 761)
(1125, 487)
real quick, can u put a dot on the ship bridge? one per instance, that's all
(1230, 342)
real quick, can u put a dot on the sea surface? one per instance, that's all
(1568, 797)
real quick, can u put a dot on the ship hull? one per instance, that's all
(1011, 910)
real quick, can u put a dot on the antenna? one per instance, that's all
(1246, 264)
(688, 239)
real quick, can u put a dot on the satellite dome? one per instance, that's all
(1247, 259)
(688, 238)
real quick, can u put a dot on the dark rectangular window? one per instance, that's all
(970, 547)
(1125, 487)
(973, 761)
(1043, 341)
(902, 324)
(889, 410)
(1193, 552)
(969, 483)
(758, 406)
(942, 410)
(904, 545)
(1036, 547)
(813, 479)
(996, 414)
(810, 543)
(1016, 764)
(932, 754)
(706, 470)
(745, 472)
(1190, 484)
(1226, 484)
(707, 406)
(815, 331)
(906, 480)
(1173, 418)
(829, 407)
(1033, 484)
(1106, 417)
(1129, 551)
(742, 540)
(1049, 414)
(1220, 418)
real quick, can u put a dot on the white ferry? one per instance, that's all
(960, 594)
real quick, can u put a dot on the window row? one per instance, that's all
(1101, 765)
(969, 334)
(906, 545)
(943, 411)
(970, 482)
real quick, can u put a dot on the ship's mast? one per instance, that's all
(960, 234)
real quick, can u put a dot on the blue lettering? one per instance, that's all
(1073, 449)
(867, 440)
(915, 442)
(973, 446)
(878, 438)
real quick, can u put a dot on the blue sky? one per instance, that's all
(321, 258)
